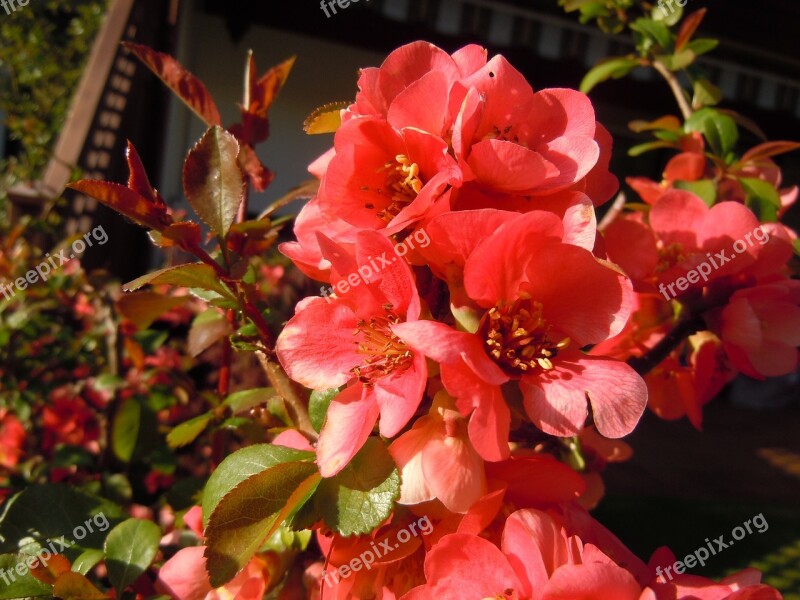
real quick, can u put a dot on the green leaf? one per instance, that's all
(762, 198)
(240, 402)
(679, 60)
(720, 130)
(701, 46)
(187, 432)
(87, 561)
(318, 404)
(705, 94)
(612, 68)
(193, 275)
(130, 549)
(242, 464)
(212, 181)
(655, 30)
(704, 188)
(252, 512)
(48, 511)
(22, 586)
(647, 146)
(125, 429)
(362, 495)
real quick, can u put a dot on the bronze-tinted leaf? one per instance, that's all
(137, 176)
(259, 174)
(193, 275)
(212, 180)
(126, 202)
(185, 85)
(769, 149)
(142, 308)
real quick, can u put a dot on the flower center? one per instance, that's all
(384, 352)
(668, 256)
(518, 338)
(403, 185)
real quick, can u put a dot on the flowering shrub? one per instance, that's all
(477, 382)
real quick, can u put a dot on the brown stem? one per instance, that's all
(650, 360)
(291, 393)
(676, 88)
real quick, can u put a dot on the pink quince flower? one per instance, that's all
(348, 340)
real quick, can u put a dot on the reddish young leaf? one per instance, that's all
(212, 179)
(268, 87)
(137, 176)
(126, 202)
(688, 27)
(185, 232)
(74, 586)
(667, 123)
(259, 94)
(768, 150)
(188, 87)
(49, 572)
(258, 173)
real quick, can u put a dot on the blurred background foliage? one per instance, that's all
(42, 54)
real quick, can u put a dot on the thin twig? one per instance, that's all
(675, 86)
(650, 360)
(613, 212)
(291, 393)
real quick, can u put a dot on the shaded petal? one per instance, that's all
(407, 454)
(455, 472)
(590, 581)
(556, 400)
(489, 425)
(632, 245)
(497, 267)
(462, 562)
(560, 275)
(677, 217)
(509, 167)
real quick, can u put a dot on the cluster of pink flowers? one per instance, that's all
(487, 330)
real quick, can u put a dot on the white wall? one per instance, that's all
(324, 72)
